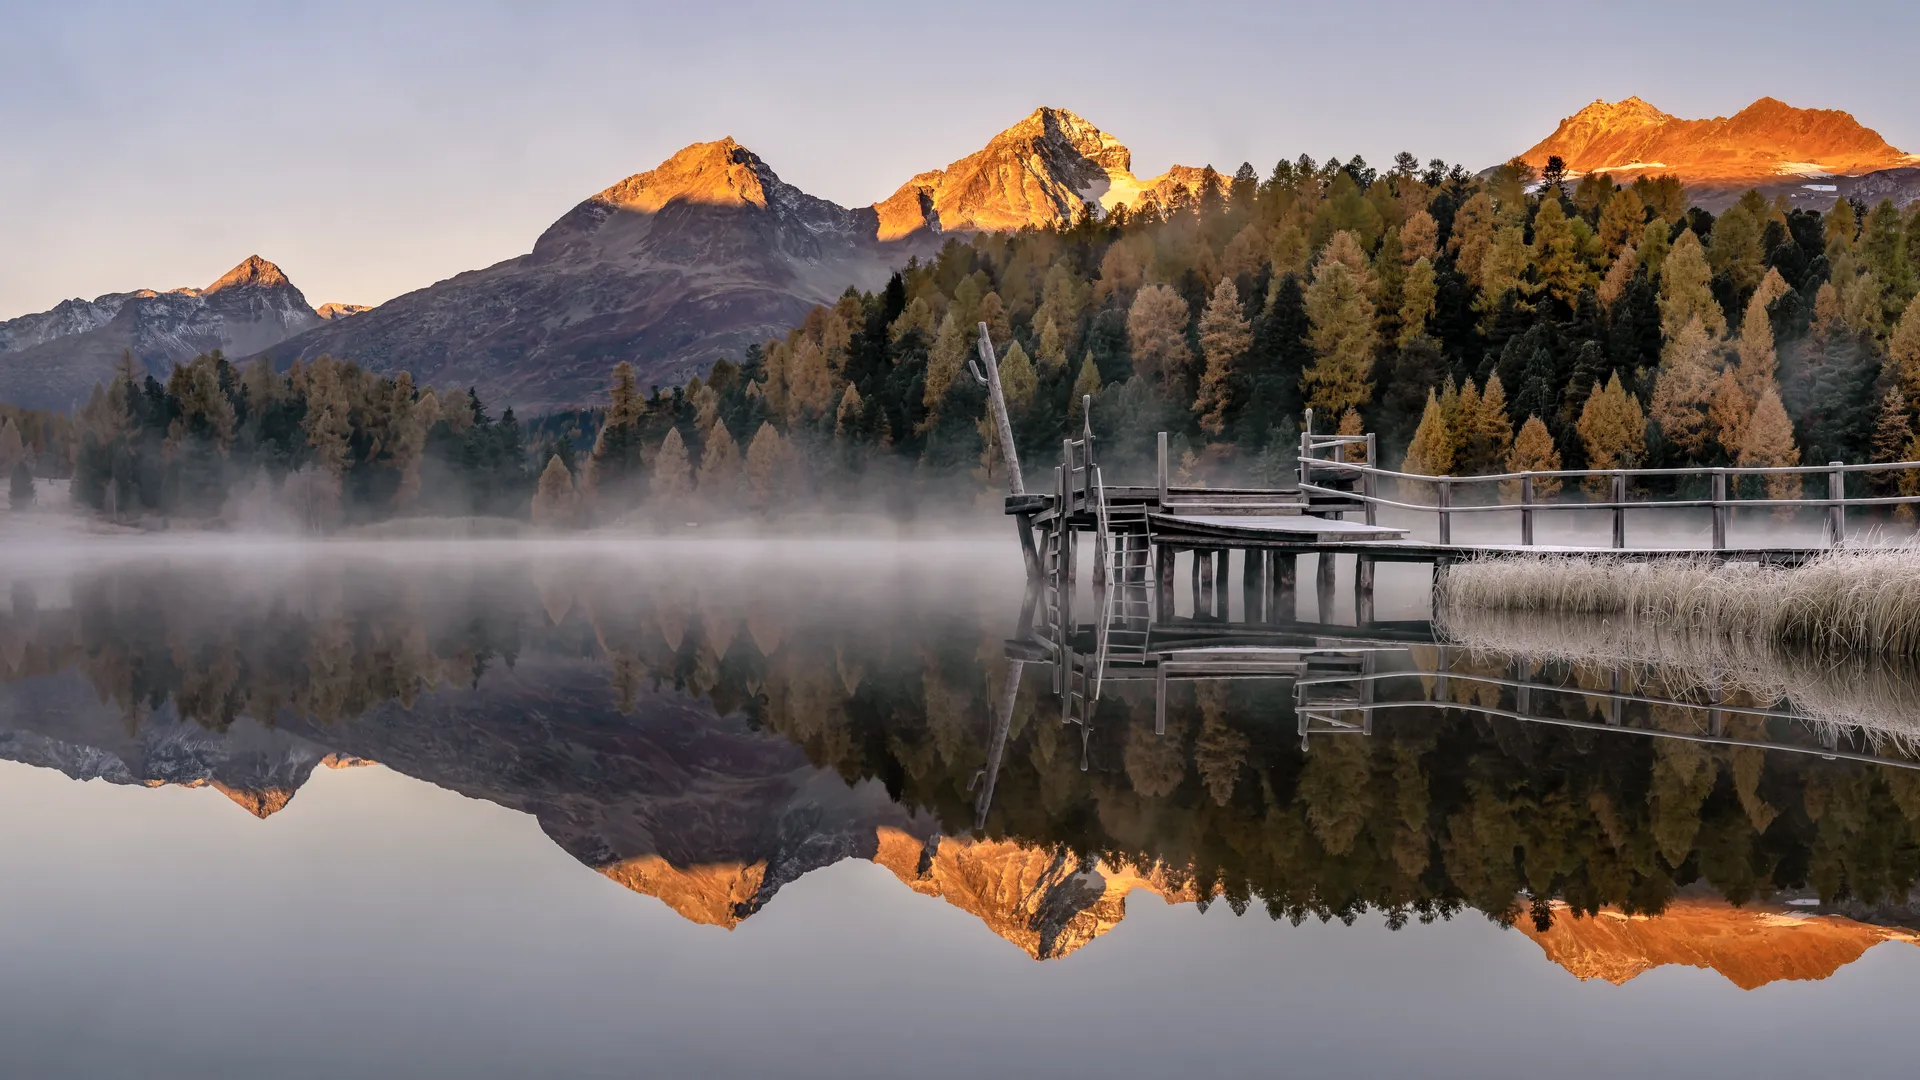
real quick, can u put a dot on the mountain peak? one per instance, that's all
(1765, 141)
(720, 173)
(253, 272)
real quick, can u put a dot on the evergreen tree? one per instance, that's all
(553, 499)
(1684, 387)
(672, 470)
(1533, 451)
(1225, 338)
(1556, 255)
(1613, 430)
(1343, 338)
(1157, 335)
(1686, 291)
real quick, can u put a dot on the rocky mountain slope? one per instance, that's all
(1750, 946)
(1763, 142)
(707, 254)
(52, 359)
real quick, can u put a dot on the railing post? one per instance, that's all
(1836, 504)
(1445, 494)
(1619, 510)
(1368, 482)
(1306, 449)
(1526, 511)
(1161, 469)
(1719, 509)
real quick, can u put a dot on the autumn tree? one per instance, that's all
(553, 498)
(672, 470)
(1533, 451)
(1343, 337)
(1686, 290)
(1613, 430)
(1683, 388)
(1157, 335)
(1768, 443)
(1556, 254)
(1431, 451)
(1225, 337)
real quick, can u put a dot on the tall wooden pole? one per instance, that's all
(998, 399)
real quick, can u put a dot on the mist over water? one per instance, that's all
(725, 805)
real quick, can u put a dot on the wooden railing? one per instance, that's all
(1525, 485)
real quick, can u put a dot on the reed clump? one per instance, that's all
(1863, 602)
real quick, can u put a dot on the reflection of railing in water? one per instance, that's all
(1343, 677)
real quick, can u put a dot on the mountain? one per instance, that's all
(707, 254)
(1750, 946)
(53, 359)
(1039, 173)
(670, 268)
(340, 311)
(1763, 142)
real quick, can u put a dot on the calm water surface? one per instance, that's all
(847, 810)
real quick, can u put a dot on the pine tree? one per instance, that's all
(945, 361)
(1768, 443)
(1533, 451)
(1225, 337)
(1473, 229)
(1683, 388)
(1431, 451)
(1484, 434)
(1903, 355)
(1504, 270)
(767, 466)
(1419, 239)
(1157, 335)
(672, 470)
(1086, 385)
(1654, 247)
(720, 467)
(1018, 381)
(1622, 222)
(1417, 295)
(1556, 254)
(847, 417)
(553, 498)
(20, 485)
(1727, 412)
(1343, 339)
(1757, 362)
(1613, 430)
(1893, 428)
(1735, 249)
(1686, 290)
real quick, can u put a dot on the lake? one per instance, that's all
(835, 808)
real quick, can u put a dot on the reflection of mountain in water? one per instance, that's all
(707, 745)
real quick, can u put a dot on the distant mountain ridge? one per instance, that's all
(1763, 142)
(709, 253)
(53, 359)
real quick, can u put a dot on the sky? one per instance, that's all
(372, 149)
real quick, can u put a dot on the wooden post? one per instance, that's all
(1367, 482)
(1160, 470)
(998, 400)
(1222, 559)
(1160, 697)
(1202, 583)
(1024, 522)
(1526, 511)
(1362, 590)
(1163, 580)
(1306, 449)
(1619, 510)
(1285, 606)
(1836, 506)
(1323, 585)
(1719, 509)
(1444, 490)
(1253, 583)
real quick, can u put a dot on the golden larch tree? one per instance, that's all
(1613, 430)
(1533, 451)
(1225, 337)
(1157, 334)
(1769, 444)
(1683, 387)
(1343, 338)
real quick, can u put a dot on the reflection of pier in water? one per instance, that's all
(1343, 679)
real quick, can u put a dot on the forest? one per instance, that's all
(1513, 320)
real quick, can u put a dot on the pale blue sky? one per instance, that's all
(370, 149)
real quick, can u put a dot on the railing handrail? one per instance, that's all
(1648, 504)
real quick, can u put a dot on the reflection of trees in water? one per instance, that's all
(1437, 810)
